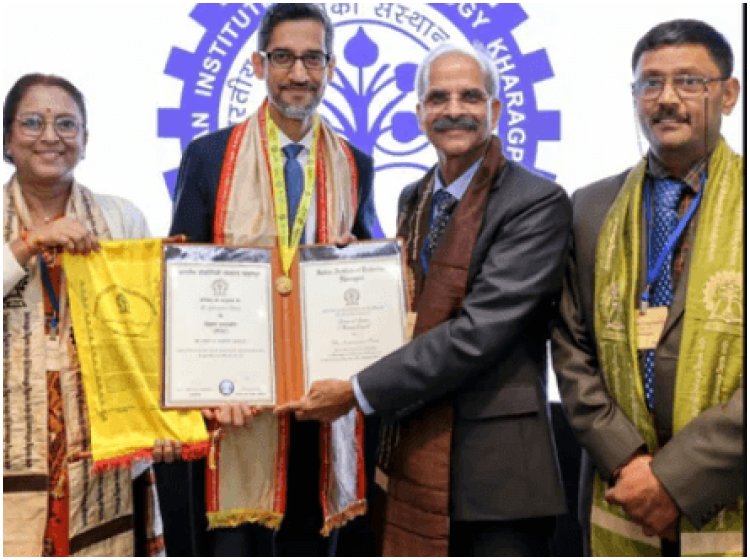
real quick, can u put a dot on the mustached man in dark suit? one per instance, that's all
(468, 461)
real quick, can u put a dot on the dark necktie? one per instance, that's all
(294, 179)
(443, 204)
(667, 196)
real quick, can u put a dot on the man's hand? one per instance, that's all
(326, 401)
(345, 239)
(231, 414)
(167, 450)
(644, 498)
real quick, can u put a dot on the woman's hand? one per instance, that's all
(64, 233)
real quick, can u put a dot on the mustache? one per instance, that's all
(668, 113)
(455, 123)
(301, 86)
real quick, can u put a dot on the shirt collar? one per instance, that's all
(306, 141)
(692, 178)
(458, 187)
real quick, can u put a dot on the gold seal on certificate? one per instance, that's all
(284, 285)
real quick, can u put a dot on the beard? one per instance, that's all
(295, 112)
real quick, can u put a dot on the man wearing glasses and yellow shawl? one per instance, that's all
(649, 346)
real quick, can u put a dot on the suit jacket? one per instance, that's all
(198, 181)
(702, 467)
(490, 358)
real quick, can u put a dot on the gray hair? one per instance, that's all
(491, 76)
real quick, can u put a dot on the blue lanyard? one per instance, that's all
(50, 292)
(653, 271)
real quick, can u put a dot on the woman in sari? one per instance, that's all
(53, 504)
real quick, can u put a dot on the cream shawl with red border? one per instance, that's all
(247, 467)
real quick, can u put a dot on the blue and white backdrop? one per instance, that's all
(157, 74)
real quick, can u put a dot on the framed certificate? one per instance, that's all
(218, 320)
(353, 307)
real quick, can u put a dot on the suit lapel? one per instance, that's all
(677, 309)
(413, 226)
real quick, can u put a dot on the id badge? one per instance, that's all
(650, 324)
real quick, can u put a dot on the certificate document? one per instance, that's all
(352, 306)
(218, 326)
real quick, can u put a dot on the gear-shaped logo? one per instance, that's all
(371, 98)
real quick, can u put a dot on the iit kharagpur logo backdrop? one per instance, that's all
(371, 98)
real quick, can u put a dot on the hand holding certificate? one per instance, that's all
(325, 401)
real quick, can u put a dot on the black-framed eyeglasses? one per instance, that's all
(284, 59)
(686, 86)
(33, 125)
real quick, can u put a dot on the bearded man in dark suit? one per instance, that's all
(228, 191)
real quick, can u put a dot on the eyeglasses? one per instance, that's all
(283, 59)
(33, 125)
(651, 88)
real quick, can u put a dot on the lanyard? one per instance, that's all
(288, 246)
(669, 246)
(47, 281)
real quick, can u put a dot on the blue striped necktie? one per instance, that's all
(294, 179)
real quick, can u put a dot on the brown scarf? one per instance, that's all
(415, 454)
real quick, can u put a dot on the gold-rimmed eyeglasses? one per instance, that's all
(33, 125)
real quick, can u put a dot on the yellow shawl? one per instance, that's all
(710, 364)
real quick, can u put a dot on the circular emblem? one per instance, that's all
(351, 296)
(226, 387)
(284, 285)
(371, 98)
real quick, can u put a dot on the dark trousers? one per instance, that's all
(299, 534)
(181, 488)
(519, 537)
